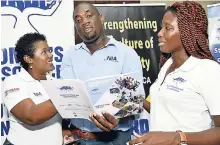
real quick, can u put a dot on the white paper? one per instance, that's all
(118, 95)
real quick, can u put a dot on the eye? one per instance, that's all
(43, 52)
(78, 20)
(168, 28)
(89, 15)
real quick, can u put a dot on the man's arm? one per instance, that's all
(66, 71)
(131, 64)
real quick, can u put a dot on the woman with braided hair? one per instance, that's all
(185, 98)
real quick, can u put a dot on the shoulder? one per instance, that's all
(209, 64)
(208, 69)
(14, 82)
(123, 48)
(72, 49)
(14, 78)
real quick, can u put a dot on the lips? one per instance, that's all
(161, 43)
(88, 29)
(50, 61)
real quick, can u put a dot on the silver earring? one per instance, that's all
(30, 67)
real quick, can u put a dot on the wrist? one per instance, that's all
(183, 139)
(177, 138)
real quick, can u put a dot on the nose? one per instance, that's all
(160, 33)
(50, 55)
(85, 22)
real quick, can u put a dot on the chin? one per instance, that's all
(51, 69)
(164, 50)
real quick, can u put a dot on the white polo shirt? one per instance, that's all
(187, 98)
(17, 88)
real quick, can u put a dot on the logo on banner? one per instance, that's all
(10, 8)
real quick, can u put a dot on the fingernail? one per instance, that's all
(94, 114)
(103, 112)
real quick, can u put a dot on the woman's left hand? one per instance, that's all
(156, 138)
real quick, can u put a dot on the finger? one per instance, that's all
(110, 118)
(98, 124)
(136, 135)
(103, 122)
(136, 141)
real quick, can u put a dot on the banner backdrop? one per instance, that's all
(137, 26)
(214, 30)
(53, 18)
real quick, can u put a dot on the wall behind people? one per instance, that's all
(51, 18)
(170, 2)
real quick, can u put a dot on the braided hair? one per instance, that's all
(192, 23)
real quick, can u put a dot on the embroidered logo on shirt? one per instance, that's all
(111, 58)
(180, 80)
(173, 88)
(11, 91)
(38, 94)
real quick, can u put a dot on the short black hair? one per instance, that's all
(25, 46)
(90, 5)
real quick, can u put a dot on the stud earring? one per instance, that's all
(30, 67)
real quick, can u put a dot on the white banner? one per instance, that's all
(214, 30)
(53, 18)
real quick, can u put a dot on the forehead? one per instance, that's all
(40, 44)
(83, 8)
(169, 17)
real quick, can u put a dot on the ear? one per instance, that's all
(28, 59)
(102, 19)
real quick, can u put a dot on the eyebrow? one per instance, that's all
(85, 12)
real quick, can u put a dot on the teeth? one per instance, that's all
(161, 43)
(88, 29)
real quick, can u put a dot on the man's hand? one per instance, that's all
(67, 136)
(105, 123)
(157, 138)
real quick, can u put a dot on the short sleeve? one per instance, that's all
(210, 87)
(14, 91)
(66, 71)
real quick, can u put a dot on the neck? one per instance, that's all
(99, 43)
(36, 75)
(179, 58)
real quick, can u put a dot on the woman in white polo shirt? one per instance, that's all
(33, 118)
(185, 99)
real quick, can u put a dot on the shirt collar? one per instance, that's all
(27, 77)
(111, 42)
(189, 64)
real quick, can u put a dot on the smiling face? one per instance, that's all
(169, 35)
(42, 59)
(88, 22)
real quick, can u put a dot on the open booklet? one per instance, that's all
(119, 95)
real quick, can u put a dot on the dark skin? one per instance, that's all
(170, 42)
(89, 25)
(26, 110)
